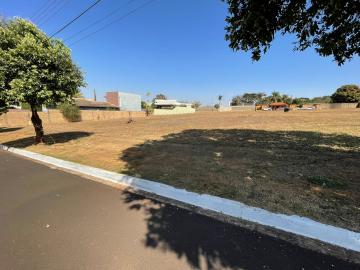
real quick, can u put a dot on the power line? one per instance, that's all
(115, 21)
(56, 10)
(41, 10)
(100, 20)
(76, 18)
(47, 10)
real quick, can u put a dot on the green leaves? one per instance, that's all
(248, 98)
(332, 27)
(346, 93)
(33, 68)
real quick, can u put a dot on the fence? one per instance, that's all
(243, 108)
(176, 110)
(23, 117)
(334, 105)
(206, 109)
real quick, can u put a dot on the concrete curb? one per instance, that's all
(292, 224)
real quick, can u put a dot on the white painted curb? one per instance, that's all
(293, 224)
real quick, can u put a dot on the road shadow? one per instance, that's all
(267, 169)
(49, 139)
(3, 130)
(207, 243)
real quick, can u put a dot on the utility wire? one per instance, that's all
(100, 20)
(60, 7)
(41, 10)
(48, 10)
(115, 21)
(76, 18)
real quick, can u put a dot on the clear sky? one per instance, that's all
(177, 47)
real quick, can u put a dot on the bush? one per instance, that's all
(346, 93)
(149, 110)
(196, 105)
(70, 112)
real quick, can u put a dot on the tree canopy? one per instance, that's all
(346, 93)
(35, 69)
(332, 27)
(160, 96)
(275, 96)
(247, 98)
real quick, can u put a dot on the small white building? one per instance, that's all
(171, 106)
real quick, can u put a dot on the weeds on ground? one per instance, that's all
(326, 182)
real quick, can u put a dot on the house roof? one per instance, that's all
(279, 104)
(83, 102)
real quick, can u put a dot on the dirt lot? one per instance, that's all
(304, 162)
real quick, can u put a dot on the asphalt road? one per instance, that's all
(50, 219)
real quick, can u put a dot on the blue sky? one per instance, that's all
(177, 47)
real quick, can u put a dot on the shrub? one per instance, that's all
(70, 112)
(148, 108)
(196, 105)
(346, 93)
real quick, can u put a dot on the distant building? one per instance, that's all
(124, 101)
(171, 106)
(89, 104)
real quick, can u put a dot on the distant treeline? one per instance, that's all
(344, 94)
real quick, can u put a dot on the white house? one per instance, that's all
(171, 106)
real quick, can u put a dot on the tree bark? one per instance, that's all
(37, 123)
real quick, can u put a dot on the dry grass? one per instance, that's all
(305, 163)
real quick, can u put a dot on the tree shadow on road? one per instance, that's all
(207, 243)
(275, 170)
(49, 139)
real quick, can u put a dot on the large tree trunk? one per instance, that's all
(37, 123)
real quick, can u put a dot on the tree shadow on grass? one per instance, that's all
(267, 169)
(3, 130)
(207, 243)
(49, 139)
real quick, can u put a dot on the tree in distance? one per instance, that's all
(160, 96)
(247, 98)
(196, 105)
(346, 94)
